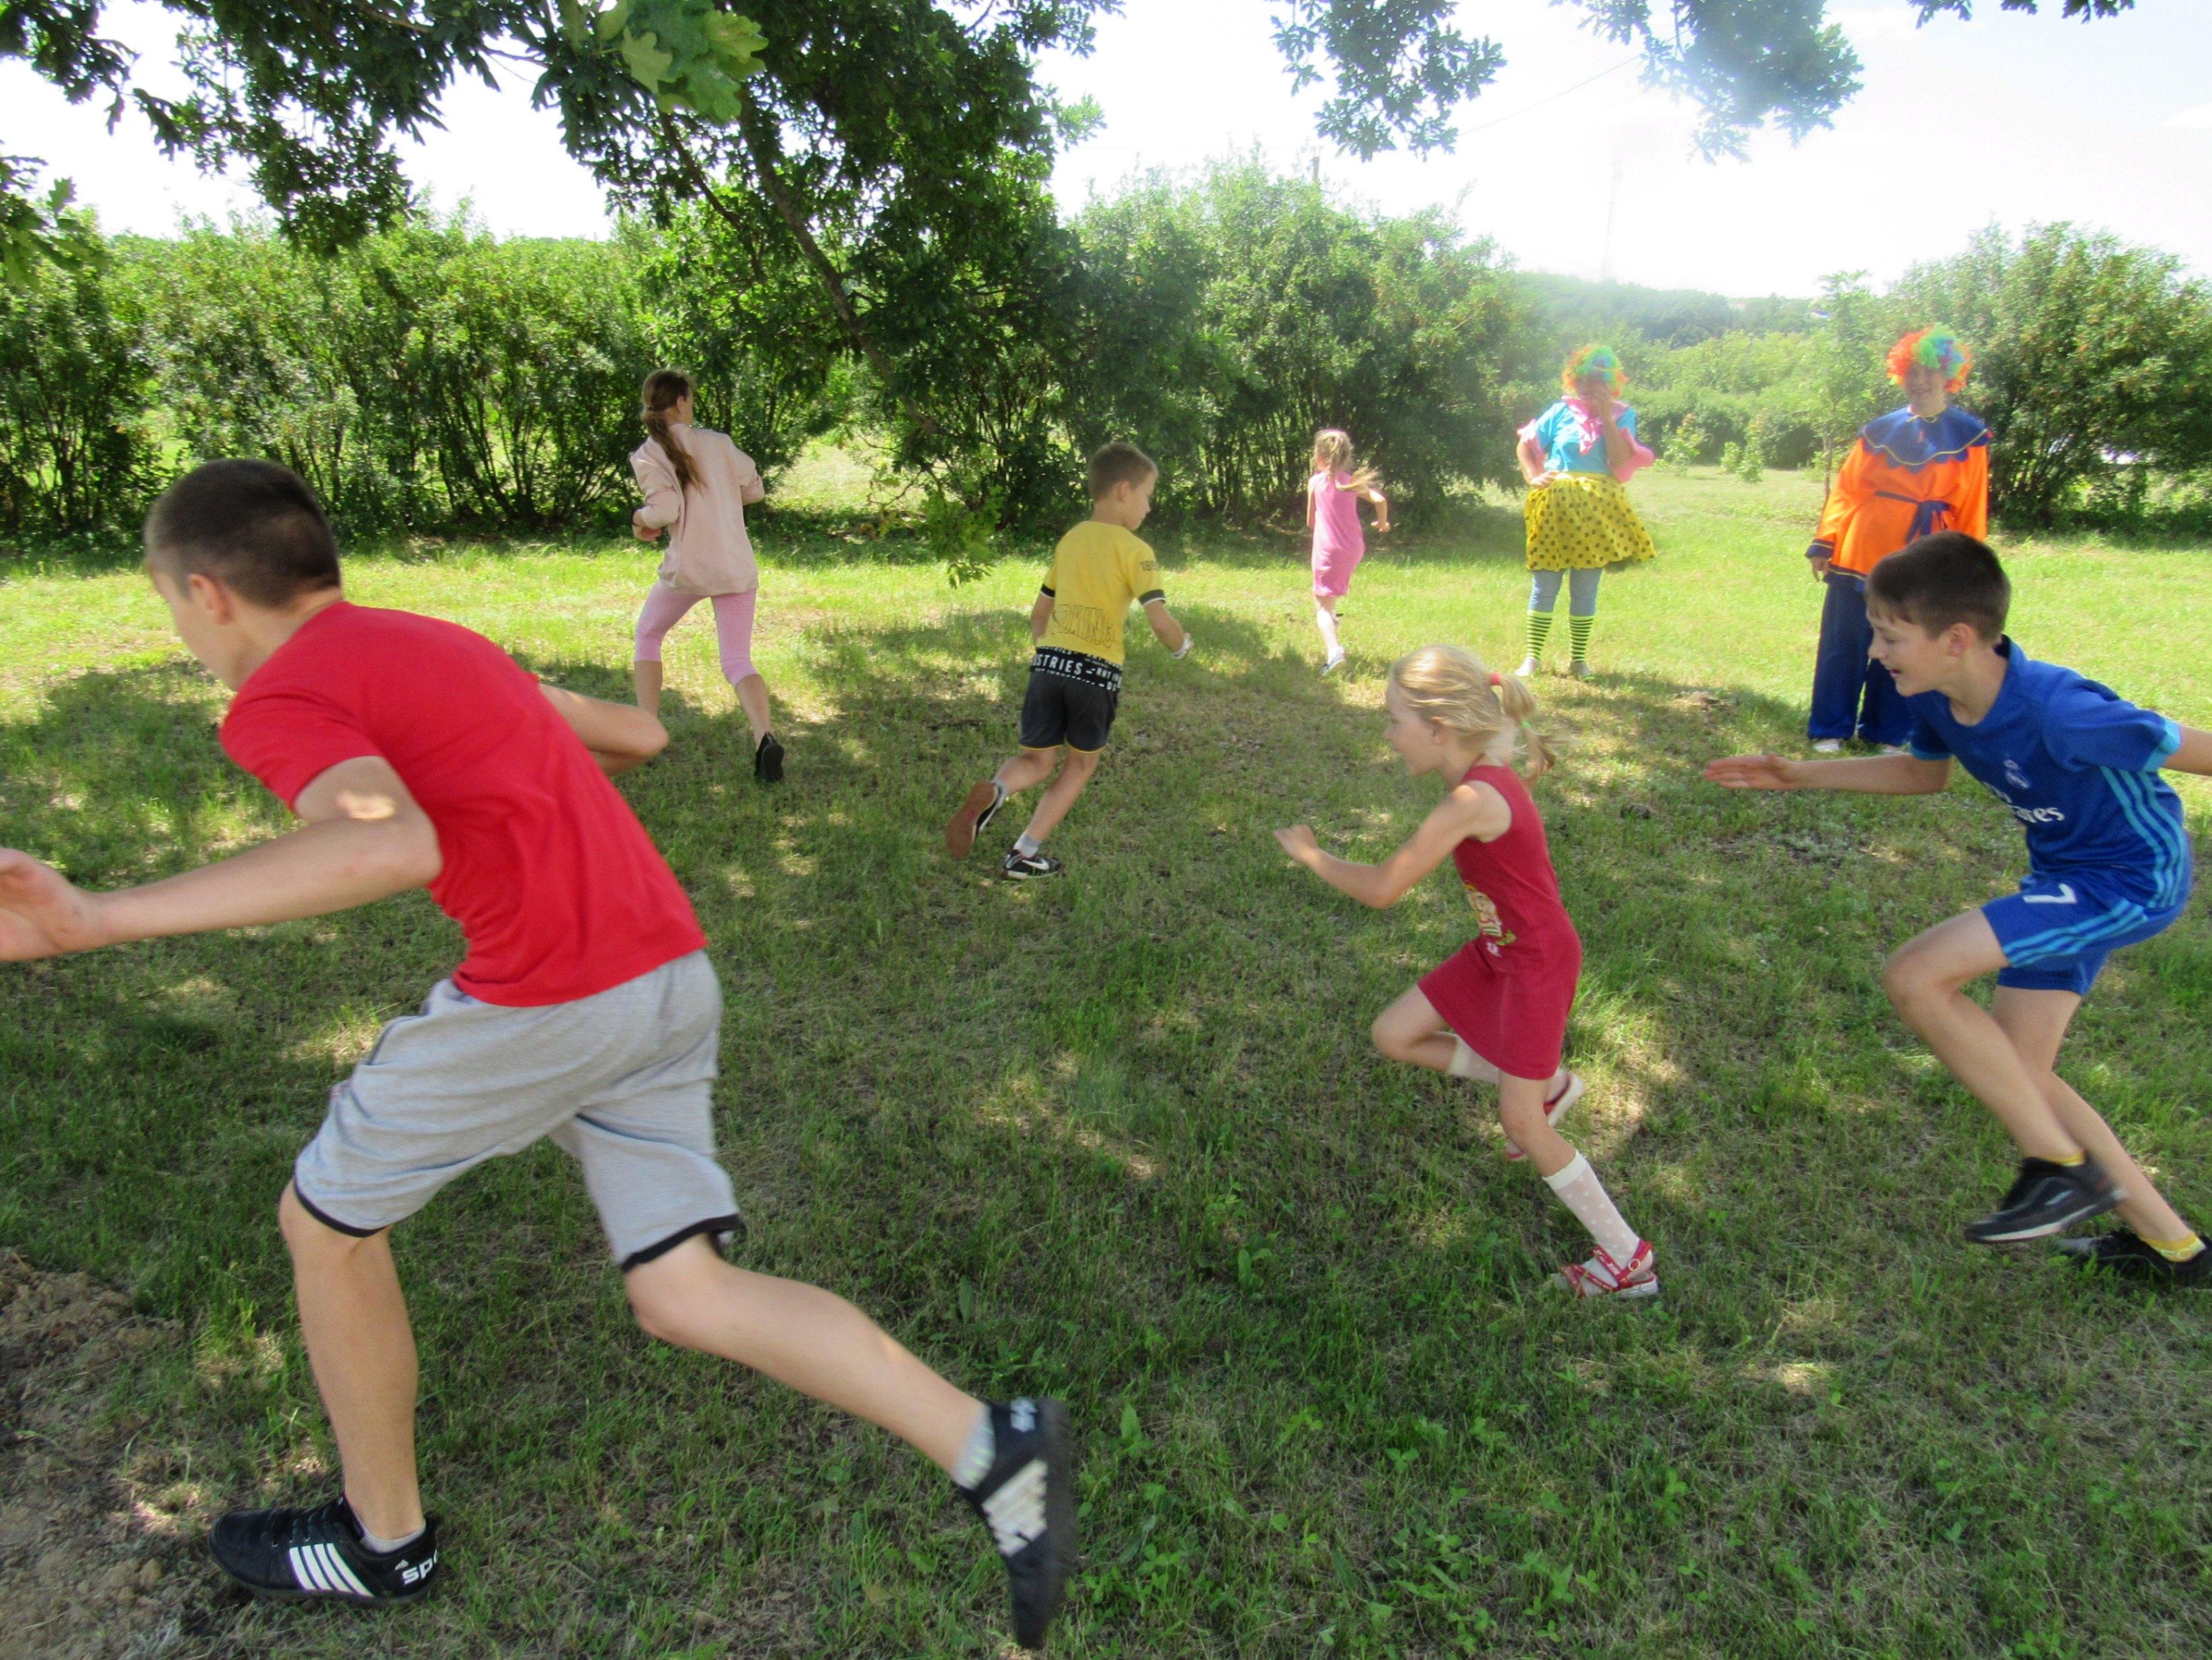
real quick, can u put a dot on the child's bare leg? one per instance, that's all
(1520, 1111)
(1325, 620)
(752, 698)
(806, 1338)
(2035, 1022)
(1074, 775)
(1412, 1031)
(353, 1319)
(645, 676)
(1029, 767)
(1924, 978)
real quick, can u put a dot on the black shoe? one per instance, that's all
(2047, 1199)
(1022, 866)
(1028, 1501)
(297, 1555)
(978, 808)
(2125, 1255)
(768, 760)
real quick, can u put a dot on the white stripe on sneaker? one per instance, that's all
(307, 1572)
(343, 1578)
(1016, 1509)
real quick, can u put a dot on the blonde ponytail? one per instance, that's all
(1449, 686)
(1332, 454)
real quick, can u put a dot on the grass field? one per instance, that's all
(1122, 1137)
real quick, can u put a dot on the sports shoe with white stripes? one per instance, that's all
(1027, 1502)
(293, 1555)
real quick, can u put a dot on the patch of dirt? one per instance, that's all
(81, 1575)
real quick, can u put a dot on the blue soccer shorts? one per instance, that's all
(2057, 930)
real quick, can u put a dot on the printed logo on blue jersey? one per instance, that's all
(2013, 775)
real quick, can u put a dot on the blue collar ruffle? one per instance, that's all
(1904, 441)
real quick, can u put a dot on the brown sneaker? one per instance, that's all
(976, 811)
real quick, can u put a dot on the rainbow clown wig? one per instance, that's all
(1593, 360)
(1934, 349)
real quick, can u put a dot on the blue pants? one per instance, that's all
(1582, 590)
(1850, 689)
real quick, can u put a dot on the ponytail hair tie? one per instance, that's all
(1494, 680)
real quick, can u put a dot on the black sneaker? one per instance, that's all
(977, 808)
(2047, 1199)
(2127, 1256)
(1028, 1501)
(768, 760)
(293, 1555)
(1022, 866)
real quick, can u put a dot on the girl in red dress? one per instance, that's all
(1498, 1010)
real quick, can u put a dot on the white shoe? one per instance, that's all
(1828, 746)
(1530, 669)
(1335, 662)
(1891, 749)
(1581, 670)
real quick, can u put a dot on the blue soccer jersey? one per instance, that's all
(2078, 766)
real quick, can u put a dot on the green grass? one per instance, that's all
(1122, 1137)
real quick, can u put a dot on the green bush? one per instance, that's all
(2093, 359)
(1225, 322)
(75, 450)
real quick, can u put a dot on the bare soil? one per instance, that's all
(90, 1569)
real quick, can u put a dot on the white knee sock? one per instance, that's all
(1465, 1063)
(1581, 1192)
(1325, 619)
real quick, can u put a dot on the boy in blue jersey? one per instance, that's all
(2108, 865)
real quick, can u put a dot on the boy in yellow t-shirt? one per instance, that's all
(1075, 677)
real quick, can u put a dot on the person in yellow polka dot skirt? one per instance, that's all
(1577, 456)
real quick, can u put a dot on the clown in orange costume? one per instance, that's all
(1921, 468)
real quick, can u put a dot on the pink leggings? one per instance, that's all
(733, 626)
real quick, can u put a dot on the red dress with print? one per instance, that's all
(1507, 992)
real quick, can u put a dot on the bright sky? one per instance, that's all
(2008, 118)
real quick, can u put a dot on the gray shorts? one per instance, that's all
(621, 1081)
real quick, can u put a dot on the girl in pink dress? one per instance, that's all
(1333, 497)
(1496, 1011)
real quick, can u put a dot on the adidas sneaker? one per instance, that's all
(1027, 1502)
(295, 1555)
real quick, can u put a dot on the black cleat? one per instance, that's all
(1026, 866)
(295, 1555)
(2047, 1199)
(978, 808)
(2125, 1255)
(768, 760)
(1027, 1502)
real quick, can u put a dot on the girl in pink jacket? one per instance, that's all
(696, 484)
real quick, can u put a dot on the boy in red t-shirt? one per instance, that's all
(416, 753)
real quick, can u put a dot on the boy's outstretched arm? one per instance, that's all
(620, 736)
(2195, 752)
(363, 839)
(1171, 633)
(1473, 810)
(1868, 774)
